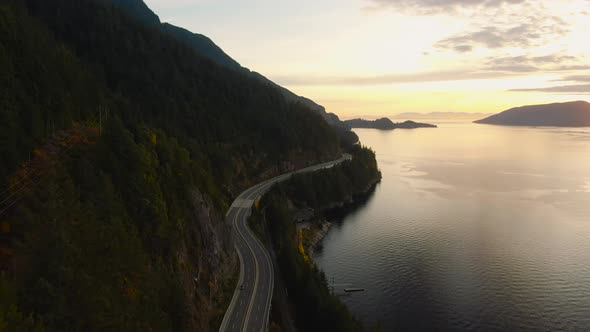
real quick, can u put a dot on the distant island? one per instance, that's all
(570, 114)
(386, 124)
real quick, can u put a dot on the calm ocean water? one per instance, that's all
(473, 227)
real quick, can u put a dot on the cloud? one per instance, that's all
(573, 67)
(492, 68)
(582, 85)
(575, 88)
(536, 30)
(552, 58)
(537, 60)
(575, 78)
(428, 7)
(493, 24)
(515, 68)
(523, 63)
(463, 48)
(434, 76)
(490, 37)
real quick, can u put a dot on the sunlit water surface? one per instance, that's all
(473, 227)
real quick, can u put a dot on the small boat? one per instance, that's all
(350, 290)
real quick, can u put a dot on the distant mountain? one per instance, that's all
(570, 114)
(206, 48)
(440, 116)
(386, 124)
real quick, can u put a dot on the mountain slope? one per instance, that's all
(136, 146)
(43, 87)
(570, 114)
(206, 48)
(137, 9)
(203, 46)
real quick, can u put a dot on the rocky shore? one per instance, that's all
(319, 233)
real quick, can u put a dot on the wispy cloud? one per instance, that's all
(581, 86)
(428, 7)
(492, 68)
(515, 68)
(492, 24)
(534, 30)
(574, 88)
(575, 78)
(424, 77)
(524, 63)
(463, 48)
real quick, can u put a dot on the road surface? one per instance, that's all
(250, 305)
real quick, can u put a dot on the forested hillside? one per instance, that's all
(206, 48)
(120, 149)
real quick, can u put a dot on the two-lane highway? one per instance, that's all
(250, 305)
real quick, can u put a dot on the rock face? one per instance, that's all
(386, 124)
(205, 256)
(570, 114)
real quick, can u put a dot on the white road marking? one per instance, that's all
(243, 203)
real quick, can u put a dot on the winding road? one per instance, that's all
(250, 305)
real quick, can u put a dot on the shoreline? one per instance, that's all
(337, 209)
(318, 237)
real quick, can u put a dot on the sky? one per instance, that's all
(376, 58)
